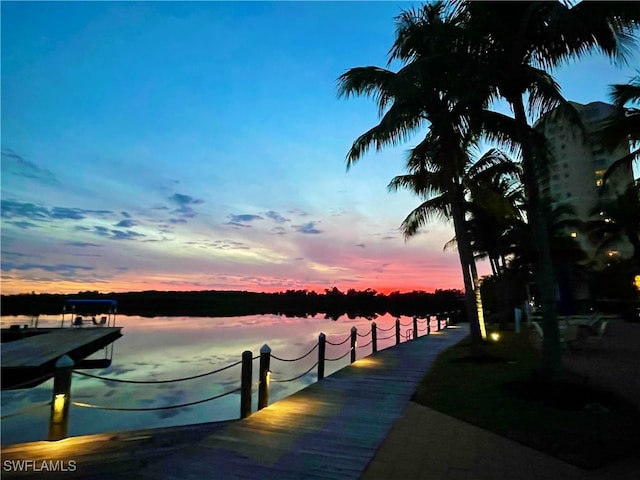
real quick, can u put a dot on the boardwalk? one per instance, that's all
(329, 430)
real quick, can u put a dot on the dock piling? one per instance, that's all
(374, 337)
(322, 346)
(265, 373)
(61, 398)
(245, 386)
(354, 340)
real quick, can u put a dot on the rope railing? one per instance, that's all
(387, 329)
(150, 409)
(62, 383)
(387, 338)
(298, 377)
(295, 359)
(150, 382)
(341, 343)
(338, 358)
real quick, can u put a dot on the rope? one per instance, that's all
(366, 334)
(422, 329)
(406, 324)
(366, 344)
(148, 409)
(336, 344)
(299, 376)
(159, 381)
(339, 358)
(422, 320)
(387, 338)
(295, 359)
(26, 409)
(386, 329)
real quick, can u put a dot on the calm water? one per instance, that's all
(162, 348)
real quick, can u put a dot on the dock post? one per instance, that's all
(354, 342)
(374, 337)
(438, 319)
(245, 385)
(397, 331)
(428, 324)
(415, 327)
(61, 398)
(322, 345)
(265, 374)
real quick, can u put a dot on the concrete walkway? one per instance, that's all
(425, 444)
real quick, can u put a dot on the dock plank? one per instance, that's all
(329, 430)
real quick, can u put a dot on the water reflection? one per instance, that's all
(165, 348)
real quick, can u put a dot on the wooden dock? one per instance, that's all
(329, 430)
(35, 355)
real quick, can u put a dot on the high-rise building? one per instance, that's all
(579, 163)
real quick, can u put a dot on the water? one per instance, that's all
(162, 348)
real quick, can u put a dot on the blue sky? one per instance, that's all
(161, 145)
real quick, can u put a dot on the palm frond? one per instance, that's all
(396, 126)
(433, 209)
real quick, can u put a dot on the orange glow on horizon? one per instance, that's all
(19, 286)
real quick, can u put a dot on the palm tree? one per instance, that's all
(495, 203)
(427, 179)
(617, 217)
(624, 128)
(517, 41)
(420, 94)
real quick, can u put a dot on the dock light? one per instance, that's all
(495, 336)
(636, 282)
(59, 402)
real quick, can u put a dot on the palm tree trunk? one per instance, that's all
(466, 257)
(551, 367)
(478, 298)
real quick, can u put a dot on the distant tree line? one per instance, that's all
(333, 303)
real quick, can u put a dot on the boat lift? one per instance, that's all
(105, 309)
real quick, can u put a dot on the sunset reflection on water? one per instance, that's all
(165, 348)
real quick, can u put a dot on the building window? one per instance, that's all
(556, 176)
(568, 194)
(599, 182)
(566, 175)
(574, 234)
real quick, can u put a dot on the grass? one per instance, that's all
(501, 392)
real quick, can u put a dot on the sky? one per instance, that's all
(202, 145)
